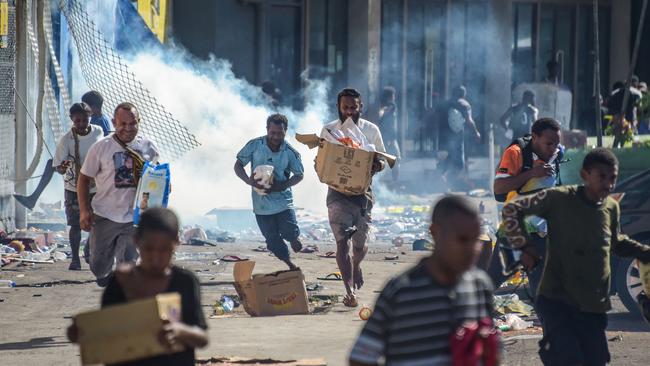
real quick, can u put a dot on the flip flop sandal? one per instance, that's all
(391, 257)
(309, 249)
(334, 276)
(328, 255)
(314, 287)
(233, 258)
(261, 249)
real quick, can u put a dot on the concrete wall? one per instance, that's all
(620, 41)
(498, 55)
(364, 25)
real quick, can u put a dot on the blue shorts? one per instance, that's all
(277, 229)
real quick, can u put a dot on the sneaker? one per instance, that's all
(74, 266)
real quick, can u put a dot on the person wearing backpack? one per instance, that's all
(530, 164)
(458, 117)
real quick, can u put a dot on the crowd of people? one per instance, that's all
(438, 312)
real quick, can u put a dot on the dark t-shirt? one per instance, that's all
(183, 282)
(615, 103)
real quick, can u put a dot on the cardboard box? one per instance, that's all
(278, 293)
(127, 332)
(342, 168)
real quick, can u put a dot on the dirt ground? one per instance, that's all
(34, 315)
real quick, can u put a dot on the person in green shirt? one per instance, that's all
(583, 229)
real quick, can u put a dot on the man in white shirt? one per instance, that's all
(70, 154)
(114, 163)
(349, 216)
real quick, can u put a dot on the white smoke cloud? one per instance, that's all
(225, 112)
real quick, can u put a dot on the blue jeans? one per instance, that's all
(276, 229)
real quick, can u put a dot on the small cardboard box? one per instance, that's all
(342, 168)
(278, 293)
(127, 332)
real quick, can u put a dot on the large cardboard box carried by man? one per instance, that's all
(127, 332)
(344, 169)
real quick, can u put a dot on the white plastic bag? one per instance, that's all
(263, 174)
(517, 323)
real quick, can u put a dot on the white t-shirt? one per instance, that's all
(112, 168)
(65, 151)
(369, 129)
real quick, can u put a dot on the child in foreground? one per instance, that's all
(437, 313)
(156, 239)
(583, 229)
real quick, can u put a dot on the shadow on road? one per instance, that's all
(41, 342)
(627, 322)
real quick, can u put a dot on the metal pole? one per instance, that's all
(598, 120)
(20, 186)
(635, 54)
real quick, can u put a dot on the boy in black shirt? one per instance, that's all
(156, 238)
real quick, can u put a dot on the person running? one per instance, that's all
(157, 238)
(518, 119)
(274, 208)
(69, 157)
(350, 216)
(420, 313)
(583, 230)
(529, 164)
(456, 120)
(114, 163)
(389, 127)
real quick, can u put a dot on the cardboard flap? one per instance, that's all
(311, 140)
(243, 271)
(389, 158)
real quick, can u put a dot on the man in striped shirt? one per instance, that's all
(418, 313)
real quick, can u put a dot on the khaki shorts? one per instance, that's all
(345, 216)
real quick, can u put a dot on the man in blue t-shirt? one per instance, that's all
(95, 100)
(273, 207)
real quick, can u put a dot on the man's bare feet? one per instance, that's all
(357, 276)
(296, 246)
(350, 300)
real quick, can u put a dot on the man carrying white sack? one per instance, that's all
(349, 216)
(272, 157)
(115, 163)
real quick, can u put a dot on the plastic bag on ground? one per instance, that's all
(517, 323)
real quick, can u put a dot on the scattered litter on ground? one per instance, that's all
(313, 287)
(334, 276)
(478, 193)
(513, 322)
(235, 361)
(507, 304)
(391, 257)
(618, 338)
(328, 255)
(365, 312)
(309, 249)
(234, 258)
(422, 245)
